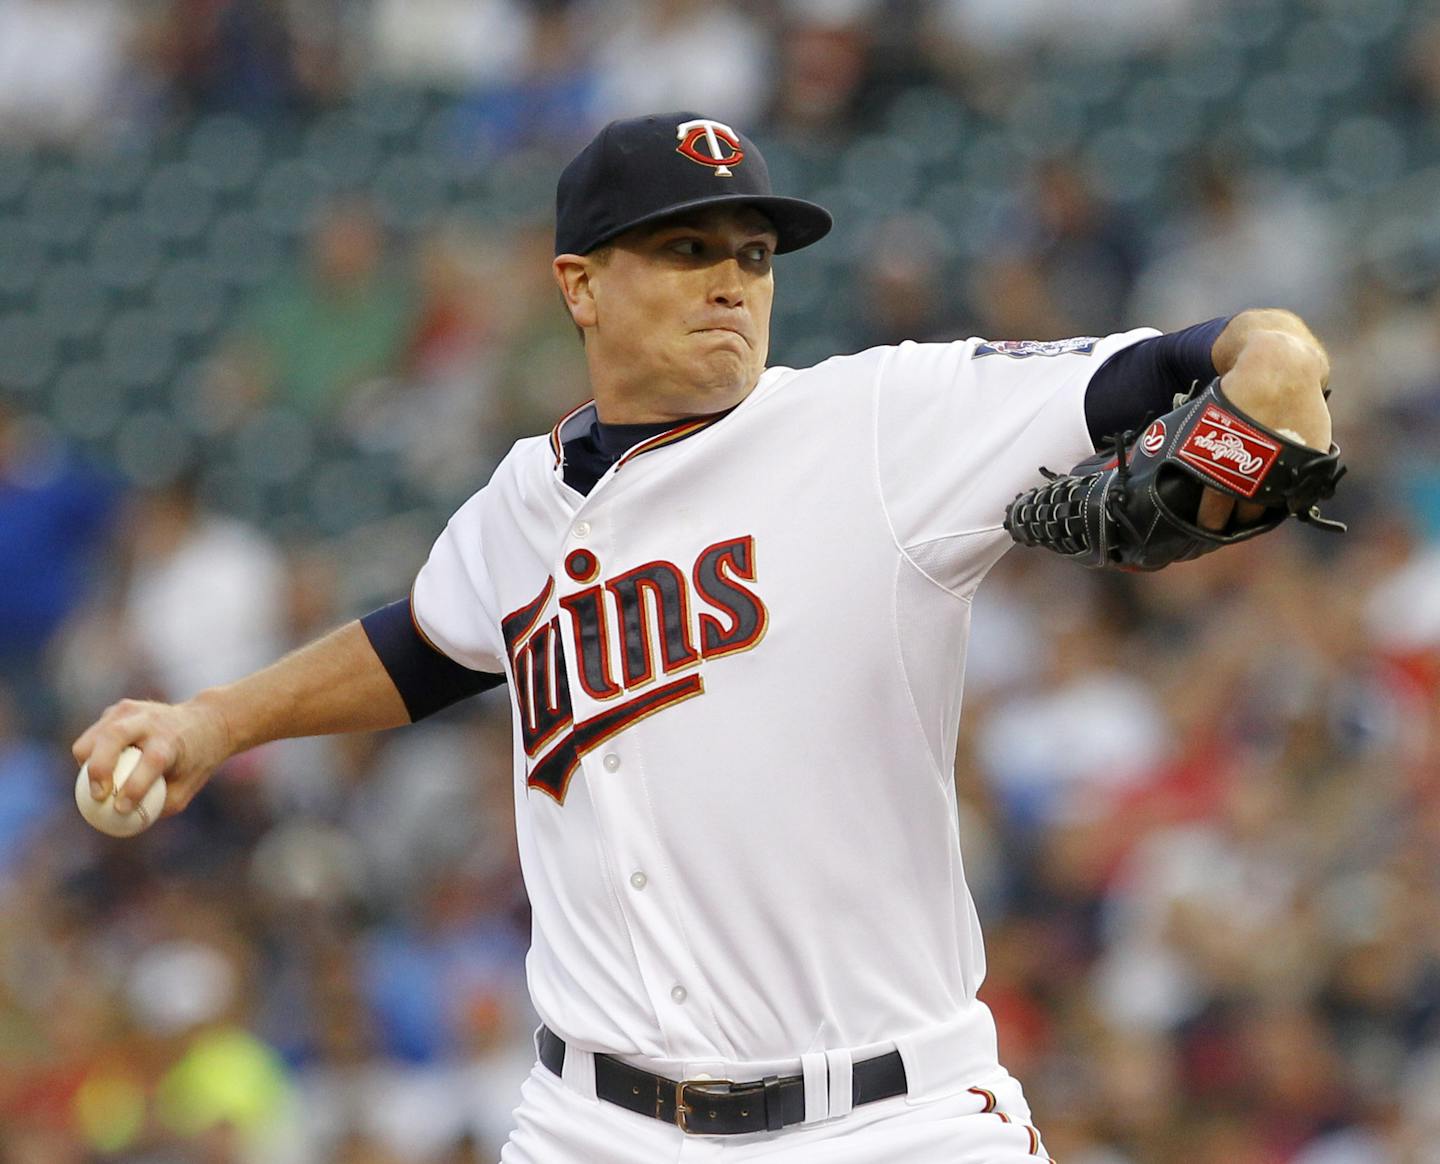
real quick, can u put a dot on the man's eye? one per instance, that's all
(757, 254)
(686, 246)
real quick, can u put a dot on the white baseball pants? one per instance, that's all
(986, 1124)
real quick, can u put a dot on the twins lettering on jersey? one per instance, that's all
(651, 622)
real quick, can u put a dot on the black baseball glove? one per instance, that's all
(1133, 506)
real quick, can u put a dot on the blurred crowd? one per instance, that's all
(533, 68)
(1200, 810)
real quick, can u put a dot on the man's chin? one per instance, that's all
(734, 385)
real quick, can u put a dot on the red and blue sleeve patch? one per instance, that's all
(1081, 345)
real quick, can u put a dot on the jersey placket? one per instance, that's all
(615, 773)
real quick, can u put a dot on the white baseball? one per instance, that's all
(101, 814)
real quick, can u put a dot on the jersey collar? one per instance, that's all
(577, 422)
(574, 423)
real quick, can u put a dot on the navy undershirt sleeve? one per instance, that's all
(427, 680)
(1143, 379)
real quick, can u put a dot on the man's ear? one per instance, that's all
(572, 274)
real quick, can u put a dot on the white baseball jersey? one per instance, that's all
(735, 669)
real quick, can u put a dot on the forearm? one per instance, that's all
(334, 684)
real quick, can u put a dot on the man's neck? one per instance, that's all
(630, 403)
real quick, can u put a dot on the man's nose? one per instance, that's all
(727, 287)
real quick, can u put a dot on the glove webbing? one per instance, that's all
(1054, 515)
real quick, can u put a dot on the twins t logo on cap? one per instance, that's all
(722, 141)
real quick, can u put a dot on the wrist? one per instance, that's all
(228, 737)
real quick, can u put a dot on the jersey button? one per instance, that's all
(678, 994)
(582, 529)
(611, 762)
(638, 880)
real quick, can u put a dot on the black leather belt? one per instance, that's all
(719, 1107)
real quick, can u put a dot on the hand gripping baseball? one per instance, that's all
(183, 742)
(1133, 507)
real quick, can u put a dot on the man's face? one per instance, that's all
(681, 314)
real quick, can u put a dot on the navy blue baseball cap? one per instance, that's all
(647, 168)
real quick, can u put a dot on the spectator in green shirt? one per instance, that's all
(342, 319)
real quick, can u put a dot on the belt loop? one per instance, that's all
(841, 1070)
(774, 1107)
(817, 1086)
(579, 1072)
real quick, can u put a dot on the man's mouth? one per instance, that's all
(722, 329)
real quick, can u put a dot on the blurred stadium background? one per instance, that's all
(274, 298)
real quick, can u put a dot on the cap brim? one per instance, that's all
(797, 223)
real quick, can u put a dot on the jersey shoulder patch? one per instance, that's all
(1081, 345)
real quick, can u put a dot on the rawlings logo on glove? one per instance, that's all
(1134, 506)
(1229, 452)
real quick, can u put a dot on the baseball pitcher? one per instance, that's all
(730, 602)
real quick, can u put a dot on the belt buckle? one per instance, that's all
(683, 1109)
